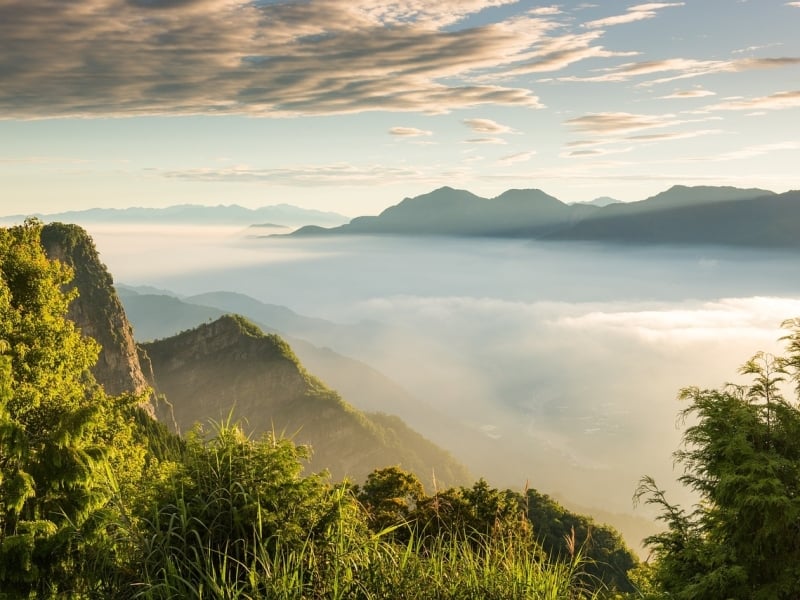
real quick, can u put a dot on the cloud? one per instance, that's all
(795, 4)
(749, 152)
(487, 126)
(777, 101)
(688, 94)
(619, 122)
(727, 318)
(592, 152)
(485, 140)
(677, 135)
(639, 12)
(339, 174)
(683, 68)
(409, 132)
(553, 54)
(517, 157)
(152, 57)
(546, 10)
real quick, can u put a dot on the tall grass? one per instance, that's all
(234, 519)
(340, 563)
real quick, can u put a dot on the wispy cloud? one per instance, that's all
(596, 152)
(487, 126)
(639, 12)
(681, 68)
(516, 157)
(749, 152)
(682, 94)
(795, 4)
(618, 122)
(409, 132)
(485, 140)
(134, 57)
(675, 135)
(337, 174)
(556, 53)
(777, 101)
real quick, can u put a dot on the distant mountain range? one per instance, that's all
(275, 216)
(680, 215)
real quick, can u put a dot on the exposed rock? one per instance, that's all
(97, 311)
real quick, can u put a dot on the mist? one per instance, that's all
(557, 364)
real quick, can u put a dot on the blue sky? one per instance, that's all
(351, 105)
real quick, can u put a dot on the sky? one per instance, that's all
(352, 105)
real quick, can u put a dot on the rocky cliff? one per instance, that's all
(97, 311)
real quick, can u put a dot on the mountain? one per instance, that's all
(279, 215)
(448, 211)
(154, 316)
(230, 368)
(97, 311)
(602, 201)
(242, 372)
(680, 215)
(724, 217)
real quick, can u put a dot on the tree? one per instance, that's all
(51, 458)
(390, 496)
(742, 457)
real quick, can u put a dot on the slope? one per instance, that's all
(230, 368)
(448, 211)
(97, 311)
(768, 221)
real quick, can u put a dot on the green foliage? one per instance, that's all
(742, 457)
(48, 417)
(60, 436)
(390, 495)
(99, 501)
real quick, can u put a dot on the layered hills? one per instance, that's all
(448, 211)
(680, 215)
(231, 369)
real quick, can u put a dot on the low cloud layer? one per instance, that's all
(567, 360)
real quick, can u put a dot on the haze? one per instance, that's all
(561, 360)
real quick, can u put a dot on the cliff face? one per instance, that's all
(97, 311)
(230, 369)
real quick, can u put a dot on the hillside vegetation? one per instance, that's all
(98, 500)
(231, 369)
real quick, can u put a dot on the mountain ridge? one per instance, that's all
(679, 215)
(278, 215)
(229, 368)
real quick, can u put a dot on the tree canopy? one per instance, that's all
(741, 455)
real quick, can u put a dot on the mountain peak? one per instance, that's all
(683, 195)
(97, 311)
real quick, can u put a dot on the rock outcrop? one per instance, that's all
(97, 311)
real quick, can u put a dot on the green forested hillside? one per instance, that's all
(230, 368)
